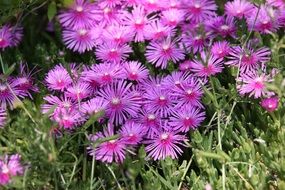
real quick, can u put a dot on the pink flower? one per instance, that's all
(223, 26)
(156, 31)
(109, 3)
(150, 121)
(3, 116)
(135, 71)
(185, 66)
(239, 8)
(112, 52)
(195, 41)
(132, 133)
(165, 144)
(207, 66)
(58, 78)
(10, 166)
(253, 84)
(81, 14)
(5, 37)
(270, 104)
(68, 118)
(172, 17)
(117, 34)
(186, 118)
(94, 106)
(159, 53)
(108, 151)
(80, 39)
(174, 80)
(276, 3)
(78, 91)
(220, 49)
(54, 103)
(123, 103)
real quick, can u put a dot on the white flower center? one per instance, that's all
(82, 32)
(116, 101)
(79, 8)
(162, 98)
(112, 141)
(151, 117)
(164, 136)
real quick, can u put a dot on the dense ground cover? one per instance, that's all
(142, 94)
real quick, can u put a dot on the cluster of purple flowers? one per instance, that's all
(156, 111)
(10, 166)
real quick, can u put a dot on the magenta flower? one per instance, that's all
(223, 26)
(79, 40)
(94, 106)
(123, 103)
(150, 121)
(265, 20)
(199, 10)
(58, 78)
(220, 49)
(17, 35)
(10, 166)
(270, 104)
(78, 91)
(186, 118)
(57, 103)
(165, 144)
(5, 37)
(117, 34)
(132, 133)
(109, 3)
(194, 42)
(174, 80)
(253, 84)
(135, 71)
(9, 93)
(172, 17)
(159, 53)
(185, 66)
(156, 31)
(68, 118)
(82, 14)
(108, 151)
(239, 8)
(112, 52)
(137, 20)
(207, 66)
(3, 116)
(248, 58)
(158, 101)
(151, 5)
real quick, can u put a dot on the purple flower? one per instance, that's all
(248, 58)
(186, 118)
(109, 3)
(195, 41)
(3, 116)
(123, 103)
(172, 17)
(156, 31)
(113, 52)
(253, 84)
(57, 103)
(239, 8)
(276, 3)
(174, 80)
(135, 71)
(10, 166)
(78, 91)
(165, 144)
(108, 151)
(5, 37)
(8, 94)
(80, 39)
(68, 118)
(150, 121)
(185, 66)
(117, 34)
(220, 49)
(132, 132)
(199, 10)
(158, 101)
(223, 26)
(159, 53)
(207, 66)
(94, 106)
(270, 104)
(81, 14)
(58, 78)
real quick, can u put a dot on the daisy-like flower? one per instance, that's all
(156, 31)
(159, 53)
(172, 17)
(248, 58)
(220, 49)
(150, 121)
(94, 106)
(264, 20)
(137, 20)
(103, 74)
(239, 8)
(58, 78)
(270, 104)
(10, 166)
(9, 93)
(79, 40)
(186, 118)
(5, 37)
(132, 132)
(158, 101)
(223, 26)
(135, 71)
(117, 34)
(82, 14)
(113, 52)
(207, 66)
(3, 116)
(189, 93)
(254, 84)
(78, 91)
(57, 103)
(174, 80)
(68, 118)
(164, 144)
(123, 103)
(194, 41)
(199, 10)
(108, 151)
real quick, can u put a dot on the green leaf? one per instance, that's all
(67, 3)
(51, 10)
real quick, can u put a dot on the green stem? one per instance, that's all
(2, 64)
(92, 172)
(185, 172)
